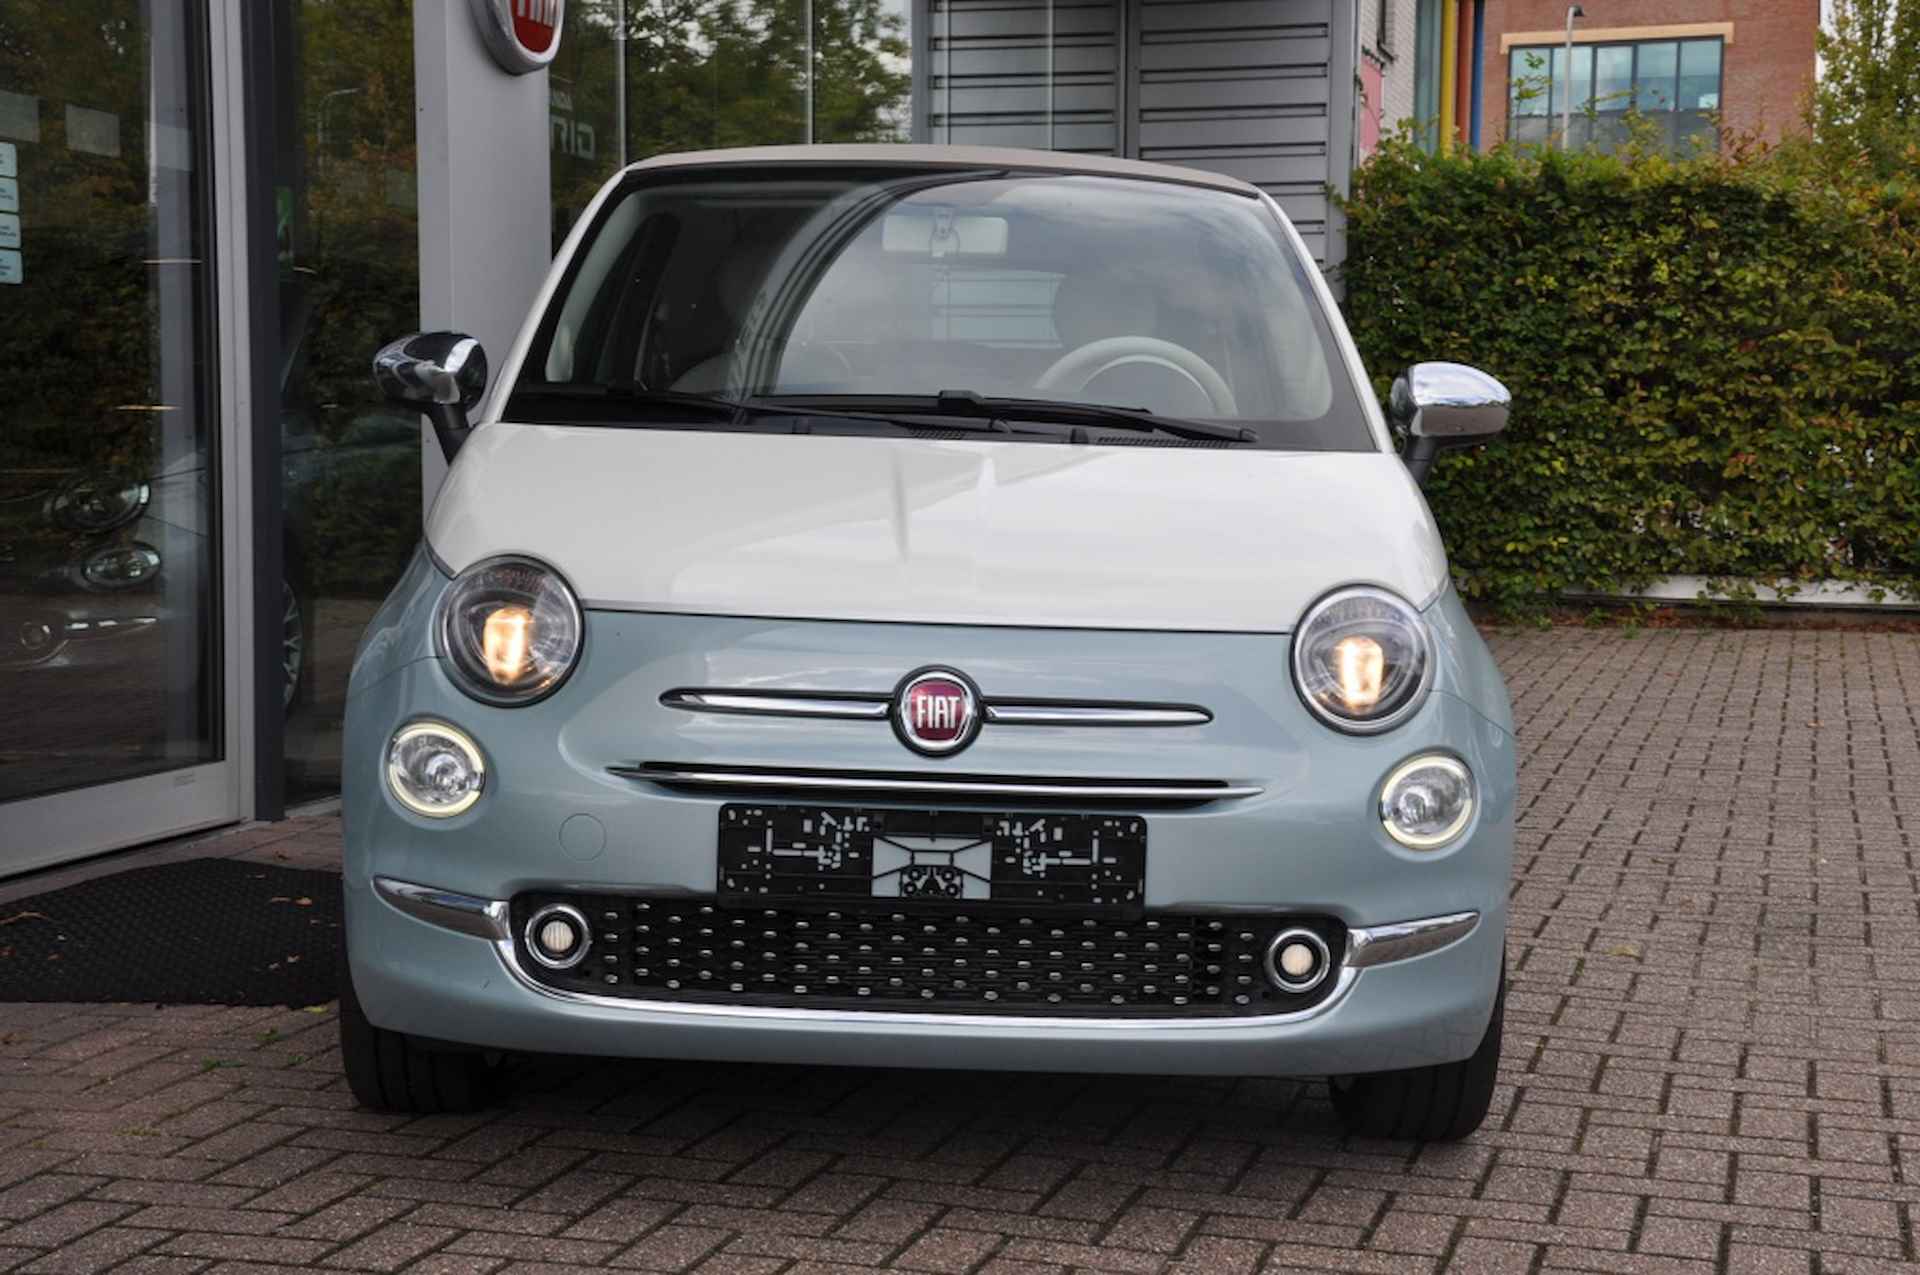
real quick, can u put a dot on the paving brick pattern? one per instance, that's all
(1712, 1065)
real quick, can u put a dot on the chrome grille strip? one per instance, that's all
(862, 706)
(1046, 713)
(696, 776)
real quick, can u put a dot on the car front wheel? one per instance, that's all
(390, 1071)
(1425, 1104)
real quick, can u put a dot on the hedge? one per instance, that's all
(1715, 364)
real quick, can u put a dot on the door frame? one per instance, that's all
(39, 832)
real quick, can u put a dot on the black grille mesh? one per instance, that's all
(928, 960)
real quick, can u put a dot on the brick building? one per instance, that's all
(1684, 63)
(1390, 44)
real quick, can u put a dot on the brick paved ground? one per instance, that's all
(1712, 1064)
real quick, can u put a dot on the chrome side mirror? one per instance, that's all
(1445, 404)
(443, 374)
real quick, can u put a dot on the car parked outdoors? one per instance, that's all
(931, 607)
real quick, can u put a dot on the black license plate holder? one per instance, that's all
(837, 855)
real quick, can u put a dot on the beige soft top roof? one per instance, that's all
(948, 157)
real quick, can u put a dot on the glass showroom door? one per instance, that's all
(117, 704)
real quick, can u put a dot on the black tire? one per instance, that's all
(390, 1071)
(1425, 1104)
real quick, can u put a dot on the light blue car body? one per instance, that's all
(555, 818)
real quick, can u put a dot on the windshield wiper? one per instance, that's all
(739, 410)
(967, 403)
(954, 409)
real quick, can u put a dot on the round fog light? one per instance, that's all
(1427, 801)
(435, 769)
(1297, 960)
(557, 936)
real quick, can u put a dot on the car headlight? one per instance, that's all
(122, 566)
(1427, 801)
(435, 769)
(98, 504)
(1362, 660)
(511, 630)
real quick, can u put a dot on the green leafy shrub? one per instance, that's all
(1715, 362)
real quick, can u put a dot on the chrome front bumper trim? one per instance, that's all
(694, 776)
(464, 913)
(972, 1022)
(487, 918)
(1404, 940)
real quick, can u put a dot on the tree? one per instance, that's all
(1867, 104)
(711, 73)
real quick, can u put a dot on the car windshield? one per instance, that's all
(911, 291)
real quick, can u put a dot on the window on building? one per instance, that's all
(1673, 86)
(1426, 71)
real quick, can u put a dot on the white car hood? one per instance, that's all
(937, 532)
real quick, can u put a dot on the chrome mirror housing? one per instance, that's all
(1449, 401)
(1445, 405)
(443, 374)
(447, 368)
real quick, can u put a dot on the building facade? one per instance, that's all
(1688, 68)
(1422, 70)
(1684, 72)
(1257, 89)
(1389, 45)
(212, 212)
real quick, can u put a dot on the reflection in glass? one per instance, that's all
(1654, 77)
(1613, 77)
(1700, 75)
(1581, 91)
(109, 605)
(1527, 82)
(720, 73)
(348, 281)
(863, 77)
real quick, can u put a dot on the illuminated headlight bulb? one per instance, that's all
(435, 769)
(1361, 666)
(1427, 801)
(506, 641)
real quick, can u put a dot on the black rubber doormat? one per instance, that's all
(200, 932)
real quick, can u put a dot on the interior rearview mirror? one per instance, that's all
(942, 233)
(1442, 405)
(443, 374)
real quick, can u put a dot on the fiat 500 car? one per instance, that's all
(931, 607)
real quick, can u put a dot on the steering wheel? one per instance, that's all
(1076, 369)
